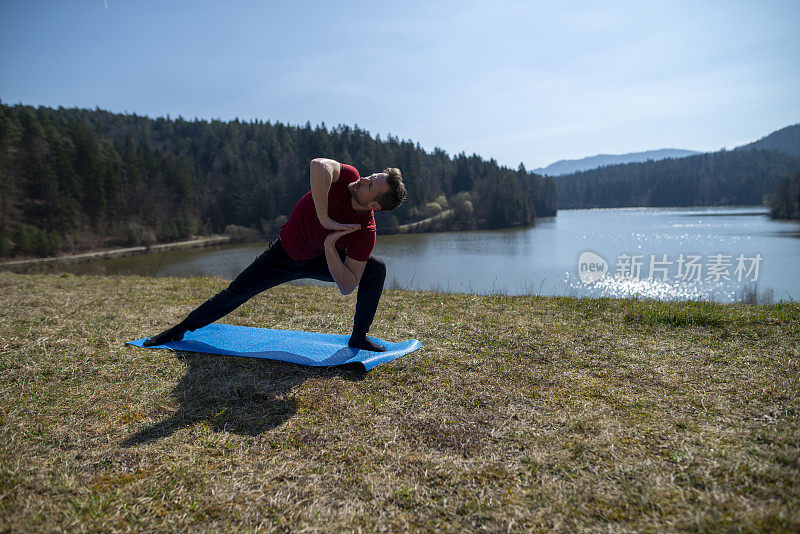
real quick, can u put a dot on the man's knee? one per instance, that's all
(375, 269)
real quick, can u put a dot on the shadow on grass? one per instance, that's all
(244, 396)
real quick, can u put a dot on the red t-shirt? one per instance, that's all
(303, 236)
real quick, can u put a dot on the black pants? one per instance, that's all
(273, 267)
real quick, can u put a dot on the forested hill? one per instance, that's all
(717, 178)
(786, 140)
(74, 179)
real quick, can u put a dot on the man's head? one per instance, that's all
(380, 191)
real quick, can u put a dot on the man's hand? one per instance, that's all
(330, 224)
(331, 240)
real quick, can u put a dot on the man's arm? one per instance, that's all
(323, 173)
(346, 274)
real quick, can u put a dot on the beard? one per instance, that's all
(354, 193)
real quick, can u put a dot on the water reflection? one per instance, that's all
(544, 259)
(651, 289)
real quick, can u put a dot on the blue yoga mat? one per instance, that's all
(305, 348)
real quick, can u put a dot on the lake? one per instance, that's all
(705, 253)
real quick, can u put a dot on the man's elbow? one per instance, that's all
(346, 290)
(323, 164)
(348, 287)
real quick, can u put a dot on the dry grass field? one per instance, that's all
(519, 414)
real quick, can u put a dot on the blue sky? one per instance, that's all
(530, 82)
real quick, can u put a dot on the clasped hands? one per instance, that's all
(342, 229)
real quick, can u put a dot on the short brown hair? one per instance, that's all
(397, 191)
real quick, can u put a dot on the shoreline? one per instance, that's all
(120, 252)
(216, 239)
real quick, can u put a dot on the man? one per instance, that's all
(329, 236)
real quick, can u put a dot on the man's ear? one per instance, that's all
(374, 206)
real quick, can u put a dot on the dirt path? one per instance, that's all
(193, 243)
(410, 227)
(118, 252)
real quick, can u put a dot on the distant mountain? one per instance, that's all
(786, 140)
(750, 174)
(568, 166)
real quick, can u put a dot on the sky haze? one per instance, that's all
(531, 82)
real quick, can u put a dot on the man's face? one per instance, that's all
(369, 188)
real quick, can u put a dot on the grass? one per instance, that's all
(519, 414)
